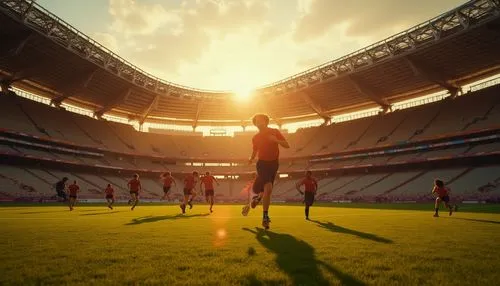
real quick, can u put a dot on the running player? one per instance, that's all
(266, 146)
(110, 196)
(443, 195)
(61, 188)
(189, 190)
(73, 190)
(168, 181)
(310, 187)
(134, 187)
(208, 181)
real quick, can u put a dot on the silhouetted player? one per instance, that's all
(208, 182)
(110, 196)
(190, 182)
(73, 190)
(310, 187)
(61, 188)
(443, 195)
(134, 187)
(168, 181)
(266, 147)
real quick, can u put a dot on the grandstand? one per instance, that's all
(394, 154)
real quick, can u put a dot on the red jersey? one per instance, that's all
(208, 181)
(109, 191)
(310, 184)
(266, 149)
(441, 191)
(168, 181)
(134, 185)
(73, 189)
(189, 182)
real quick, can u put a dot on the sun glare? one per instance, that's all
(243, 94)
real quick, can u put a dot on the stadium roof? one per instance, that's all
(43, 54)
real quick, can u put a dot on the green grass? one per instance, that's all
(155, 245)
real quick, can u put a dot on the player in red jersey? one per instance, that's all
(110, 196)
(266, 147)
(443, 195)
(168, 181)
(189, 190)
(134, 187)
(310, 187)
(73, 190)
(208, 182)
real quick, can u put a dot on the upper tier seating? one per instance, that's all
(474, 111)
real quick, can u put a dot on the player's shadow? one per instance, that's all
(101, 213)
(339, 229)
(476, 220)
(45, 212)
(150, 219)
(297, 259)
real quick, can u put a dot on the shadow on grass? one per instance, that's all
(149, 219)
(339, 229)
(297, 259)
(101, 213)
(476, 220)
(47, 212)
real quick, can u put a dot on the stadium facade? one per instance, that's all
(393, 155)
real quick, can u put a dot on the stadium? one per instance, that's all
(376, 127)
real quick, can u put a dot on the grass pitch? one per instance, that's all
(156, 245)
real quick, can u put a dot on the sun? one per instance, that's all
(243, 94)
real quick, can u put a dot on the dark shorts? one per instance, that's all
(209, 193)
(61, 194)
(309, 198)
(445, 198)
(110, 197)
(134, 192)
(266, 173)
(72, 197)
(166, 189)
(188, 192)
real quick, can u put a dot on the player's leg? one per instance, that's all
(436, 206)
(135, 199)
(69, 204)
(211, 199)
(190, 201)
(446, 201)
(258, 191)
(184, 202)
(266, 202)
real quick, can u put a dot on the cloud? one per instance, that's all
(227, 44)
(364, 17)
(131, 17)
(164, 45)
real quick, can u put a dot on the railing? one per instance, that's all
(459, 19)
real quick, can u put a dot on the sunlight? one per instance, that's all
(243, 93)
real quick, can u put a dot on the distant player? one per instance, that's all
(134, 187)
(310, 187)
(443, 195)
(61, 188)
(168, 181)
(266, 146)
(190, 182)
(207, 181)
(110, 196)
(73, 190)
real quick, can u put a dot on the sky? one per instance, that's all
(239, 44)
